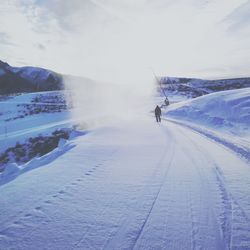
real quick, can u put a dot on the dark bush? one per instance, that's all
(35, 146)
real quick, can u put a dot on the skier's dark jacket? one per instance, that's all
(158, 111)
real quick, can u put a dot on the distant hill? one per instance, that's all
(34, 79)
(28, 79)
(193, 87)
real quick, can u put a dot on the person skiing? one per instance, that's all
(158, 113)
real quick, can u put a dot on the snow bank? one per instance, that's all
(223, 111)
(223, 116)
(13, 170)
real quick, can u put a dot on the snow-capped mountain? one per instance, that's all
(193, 87)
(28, 79)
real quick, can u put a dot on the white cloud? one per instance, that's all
(239, 19)
(120, 40)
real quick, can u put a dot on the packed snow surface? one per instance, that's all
(131, 185)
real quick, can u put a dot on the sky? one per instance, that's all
(124, 40)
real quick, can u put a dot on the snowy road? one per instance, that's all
(133, 185)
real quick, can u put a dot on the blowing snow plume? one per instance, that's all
(97, 103)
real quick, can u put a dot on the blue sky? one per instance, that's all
(113, 40)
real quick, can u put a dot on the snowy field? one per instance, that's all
(28, 121)
(21, 117)
(136, 184)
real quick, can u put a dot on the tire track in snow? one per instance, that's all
(176, 199)
(235, 223)
(133, 226)
(194, 201)
(240, 222)
(240, 149)
(156, 197)
(207, 188)
(233, 213)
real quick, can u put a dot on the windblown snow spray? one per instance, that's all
(96, 103)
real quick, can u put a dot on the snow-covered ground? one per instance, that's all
(131, 185)
(223, 116)
(136, 184)
(17, 127)
(228, 110)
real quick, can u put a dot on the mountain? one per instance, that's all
(35, 79)
(28, 79)
(193, 87)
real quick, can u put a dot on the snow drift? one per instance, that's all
(223, 117)
(227, 110)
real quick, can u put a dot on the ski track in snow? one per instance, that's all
(144, 207)
(137, 185)
(240, 147)
(231, 211)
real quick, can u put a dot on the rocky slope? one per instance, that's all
(28, 79)
(192, 87)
